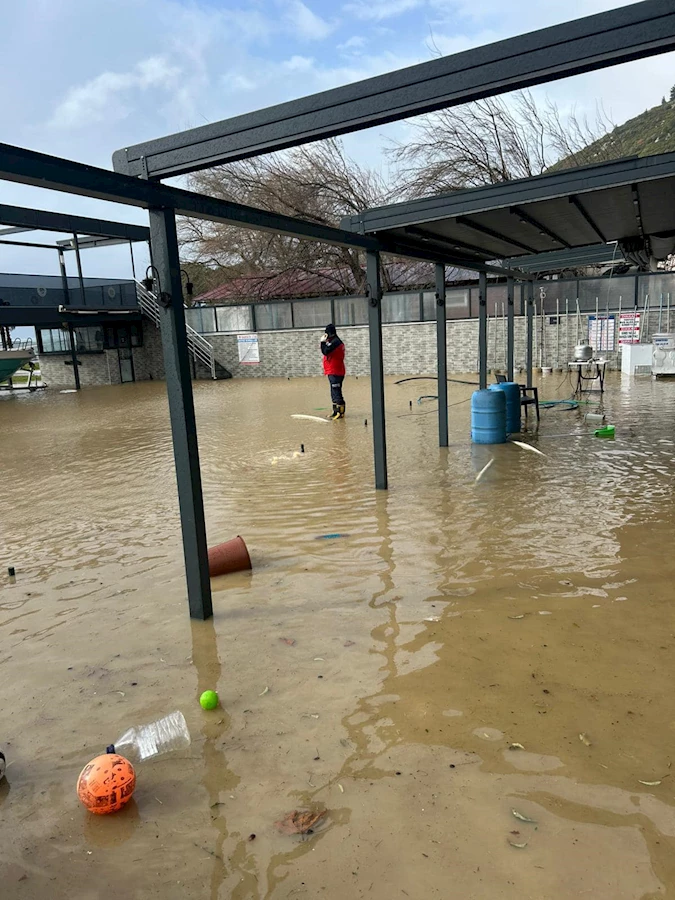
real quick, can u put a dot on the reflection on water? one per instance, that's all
(450, 647)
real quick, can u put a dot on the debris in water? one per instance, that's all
(311, 418)
(342, 790)
(266, 691)
(484, 469)
(527, 447)
(432, 619)
(650, 783)
(585, 739)
(330, 537)
(300, 821)
(349, 643)
(521, 616)
(290, 642)
(516, 747)
(518, 846)
(251, 837)
(318, 659)
(522, 818)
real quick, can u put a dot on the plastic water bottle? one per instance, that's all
(143, 742)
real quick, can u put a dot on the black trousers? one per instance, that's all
(336, 389)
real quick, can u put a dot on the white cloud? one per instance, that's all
(378, 10)
(103, 97)
(355, 42)
(306, 23)
(236, 81)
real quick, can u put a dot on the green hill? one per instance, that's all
(653, 131)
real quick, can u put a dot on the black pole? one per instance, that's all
(133, 265)
(374, 291)
(73, 356)
(76, 244)
(441, 357)
(64, 277)
(529, 287)
(181, 410)
(482, 330)
(510, 329)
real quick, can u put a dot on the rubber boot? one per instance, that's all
(339, 411)
(334, 414)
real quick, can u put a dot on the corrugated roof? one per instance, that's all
(298, 284)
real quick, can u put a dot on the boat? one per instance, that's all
(12, 360)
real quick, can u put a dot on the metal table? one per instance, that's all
(595, 371)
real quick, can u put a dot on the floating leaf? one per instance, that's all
(484, 470)
(290, 642)
(516, 747)
(342, 790)
(522, 818)
(528, 447)
(585, 739)
(521, 616)
(518, 846)
(650, 783)
(266, 691)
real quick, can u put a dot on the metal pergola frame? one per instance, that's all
(640, 30)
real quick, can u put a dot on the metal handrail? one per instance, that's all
(201, 349)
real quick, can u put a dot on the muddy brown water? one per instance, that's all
(453, 619)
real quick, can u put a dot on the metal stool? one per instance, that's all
(528, 396)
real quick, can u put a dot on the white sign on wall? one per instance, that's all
(629, 328)
(249, 349)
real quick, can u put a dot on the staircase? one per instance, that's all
(199, 347)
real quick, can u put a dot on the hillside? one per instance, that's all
(653, 131)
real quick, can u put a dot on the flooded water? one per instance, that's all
(465, 649)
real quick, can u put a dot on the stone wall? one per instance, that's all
(409, 349)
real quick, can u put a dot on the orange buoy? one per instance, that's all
(106, 784)
(232, 556)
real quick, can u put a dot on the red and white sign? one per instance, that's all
(629, 328)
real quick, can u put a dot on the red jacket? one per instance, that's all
(333, 357)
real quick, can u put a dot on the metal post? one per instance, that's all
(73, 356)
(482, 331)
(567, 332)
(133, 266)
(510, 329)
(79, 268)
(374, 293)
(668, 313)
(441, 357)
(530, 333)
(660, 311)
(64, 278)
(181, 410)
(557, 332)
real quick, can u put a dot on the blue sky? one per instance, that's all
(82, 78)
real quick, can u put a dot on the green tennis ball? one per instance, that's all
(208, 700)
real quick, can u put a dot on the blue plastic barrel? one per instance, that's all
(512, 392)
(488, 417)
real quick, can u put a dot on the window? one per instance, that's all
(202, 319)
(123, 336)
(273, 316)
(234, 318)
(457, 304)
(401, 307)
(57, 340)
(311, 314)
(350, 311)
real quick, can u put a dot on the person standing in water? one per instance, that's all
(333, 351)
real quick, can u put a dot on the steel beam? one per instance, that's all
(374, 295)
(79, 270)
(535, 223)
(54, 317)
(472, 201)
(490, 232)
(530, 332)
(510, 329)
(482, 331)
(64, 278)
(595, 42)
(581, 209)
(441, 357)
(397, 246)
(73, 356)
(41, 170)
(181, 411)
(41, 220)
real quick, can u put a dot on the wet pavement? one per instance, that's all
(465, 649)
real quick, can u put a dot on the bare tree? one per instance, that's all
(496, 139)
(318, 183)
